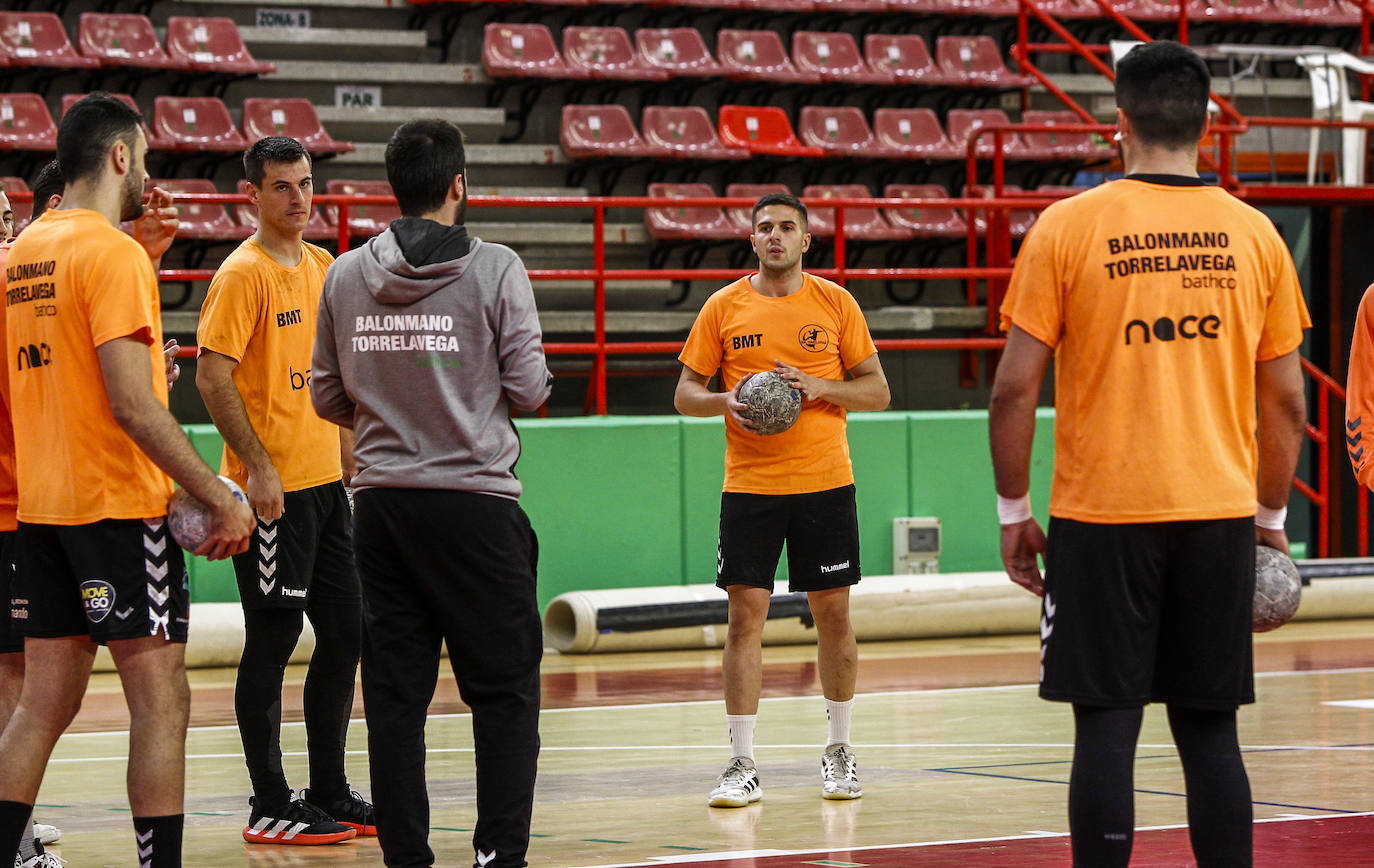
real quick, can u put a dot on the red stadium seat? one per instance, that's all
(763, 130)
(606, 52)
(964, 122)
(364, 221)
(863, 7)
(860, 224)
(1064, 145)
(1332, 13)
(316, 228)
(978, 60)
(289, 117)
(906, 58)
(25, 124)
(835, 58)
(591, 132)
(1021, 219)
(122, 41)
(679, 51)
(841, 131)
(915, 134)
(208, 221)
(22, 210)
(758, 55)
(742, 217)
(154, 143)
(1071, 9)
(683, 223)
(925, 222)
(1158, 10)
(685, 133)
(187, 124)
(1239, 10)
(38, 39)
(523, 51)
(212, 45)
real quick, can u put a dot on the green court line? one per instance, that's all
(125, 810)
(211, 813)
(447, 829)
(689, 849)
(52, 806)
(603, 841)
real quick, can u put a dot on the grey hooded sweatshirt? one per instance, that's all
(425, 338)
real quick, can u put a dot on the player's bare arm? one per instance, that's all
(127, 371)
(1011, 430)
(866, 389)
(1282, 409)
(693, 397)
(215, 379)
(156, 228)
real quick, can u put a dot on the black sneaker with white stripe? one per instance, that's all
(297, 822)
(354, 812)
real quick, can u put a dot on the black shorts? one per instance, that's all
(1139, 613)
(821, 529)
(305, 554)
(110, 580)
(11, 640)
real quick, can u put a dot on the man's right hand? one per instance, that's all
(264, 490)
(734, 406)
(1021, 543)
(231, 527)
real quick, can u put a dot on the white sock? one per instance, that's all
(741, 734)
(838, 713)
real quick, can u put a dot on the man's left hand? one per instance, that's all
(157, 227)
(169, 360)
(812, 388)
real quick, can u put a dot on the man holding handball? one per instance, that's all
(796, 486)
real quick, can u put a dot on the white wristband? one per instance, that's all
(1270, 519)
(1013, 510)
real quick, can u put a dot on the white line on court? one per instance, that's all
(1028, 836)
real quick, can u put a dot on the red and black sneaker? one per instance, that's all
(355, 812)
(298, 822)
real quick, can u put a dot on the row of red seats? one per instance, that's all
(212, 221)
(193, 45)
(179, 124)
(686, 132)
(698, 223)
(529, 51)
(1333, 13)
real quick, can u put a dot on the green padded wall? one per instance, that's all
(211, 581)
(882, 483)
(703, 475)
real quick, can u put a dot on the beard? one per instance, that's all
(131, 202)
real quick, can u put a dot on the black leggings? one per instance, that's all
(1101, 786)
(270, 636)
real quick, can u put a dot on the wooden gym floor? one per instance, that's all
(962, 764)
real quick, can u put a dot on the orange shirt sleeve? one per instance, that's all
(116, 295)
(1359, 393)
(228, 318)
(1287, 315)
(856, 343)
(702, 352)
(1033, 300)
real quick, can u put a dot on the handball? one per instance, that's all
(189, 519)
(773, 404)
(1278, 589)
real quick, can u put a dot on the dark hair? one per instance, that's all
(271, 149)
(1162, 87)
(786, 199)
(89, 128)
(48, 183)
(421, 160)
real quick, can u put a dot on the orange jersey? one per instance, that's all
(261, 314)
(9, 497)
(818, 330)
(1158, 300)
(73, 283)
(1359, 393)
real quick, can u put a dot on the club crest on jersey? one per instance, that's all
(813, 338)
(98, 597)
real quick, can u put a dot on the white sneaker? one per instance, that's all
(42, 860)
(840, 773)
(738, 785)
(46, 834)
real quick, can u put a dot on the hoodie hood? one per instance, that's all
(414, 257)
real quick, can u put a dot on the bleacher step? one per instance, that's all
(368, 72)
(328, 43)
(477, 155)
(372, 125)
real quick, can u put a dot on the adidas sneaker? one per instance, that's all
(737, 786)
(840, 773)
(354, 812)
(42, 860)
(46, 834)
(298, 822)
